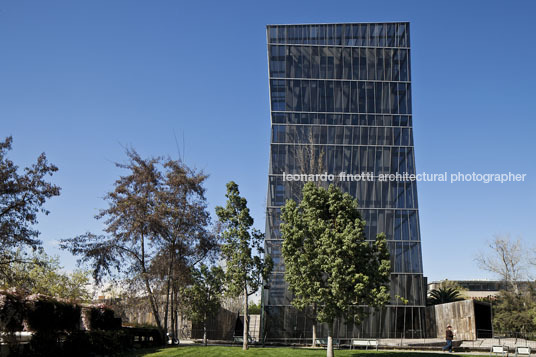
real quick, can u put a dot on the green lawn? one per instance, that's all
(224, 351)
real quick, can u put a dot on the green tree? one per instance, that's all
(22, 196)
(203, 297)
(40, 273)
(444, 295)
(254, 308)
(515, 313)
(242, 251)
(328, 261)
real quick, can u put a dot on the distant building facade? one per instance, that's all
(341, 103)
(475, 289)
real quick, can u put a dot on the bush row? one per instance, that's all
(38, 313)
(11, 312)
(58, 327)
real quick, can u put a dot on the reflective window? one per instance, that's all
(371, 63)
(401, 35)
(346, 63)
(354, 103)
(278, 95)
(347, 135)
(337, 93)
(281, 34)
(390, 35)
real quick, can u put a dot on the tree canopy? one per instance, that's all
(203, 296)
(514, 314)
(156, 229)
(22, 196)
(329, 262)
(39, 273)
(242, 250)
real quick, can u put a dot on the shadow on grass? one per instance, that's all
(143, 352)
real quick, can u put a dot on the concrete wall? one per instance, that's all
(219, 327)
(460, 315)
(254, 326)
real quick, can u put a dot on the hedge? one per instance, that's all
(42, 313)
(102, 318)
(105, 343)
(11, 312)
(46, 314)
(57, 330)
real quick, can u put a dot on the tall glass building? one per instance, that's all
(341, 102)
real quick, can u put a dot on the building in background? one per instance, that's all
(341, 102)
(478, 289)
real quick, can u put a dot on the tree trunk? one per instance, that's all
(314, 325)
(166, 309)
(205, 332)
(176, 315)
(314, 333)
(177, 321)
(246, 321)
(329, 352)
(172, 313)
(166, 312)
(152, 301)
(152, 298)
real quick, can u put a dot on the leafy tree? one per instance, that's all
(241, 250)
(444, 295)
(328, 261)
(515, 313)
(156, 225)
(254, 308)
(185, 240)
(22, 196)
(203, 297)
(310, 159)
(42, 274)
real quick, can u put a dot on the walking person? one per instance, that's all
(449, 335)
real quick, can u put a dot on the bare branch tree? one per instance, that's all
(508, 259)
(310, 160)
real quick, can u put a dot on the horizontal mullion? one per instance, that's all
(340, 46)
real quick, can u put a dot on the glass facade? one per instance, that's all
(341, 102)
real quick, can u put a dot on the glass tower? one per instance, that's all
(341, 103)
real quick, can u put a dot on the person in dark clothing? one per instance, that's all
(449, 335)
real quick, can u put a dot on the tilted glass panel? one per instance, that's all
(314, 98)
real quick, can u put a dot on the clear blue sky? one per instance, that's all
(80, 80)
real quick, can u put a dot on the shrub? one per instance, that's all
(82, 344)
(103, 318)
(46, 314)
(11, 312)
(110, 342)
(53, 321)
(67, 316)
(45, 344)
(78, 344)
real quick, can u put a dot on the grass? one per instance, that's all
(225, 351)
